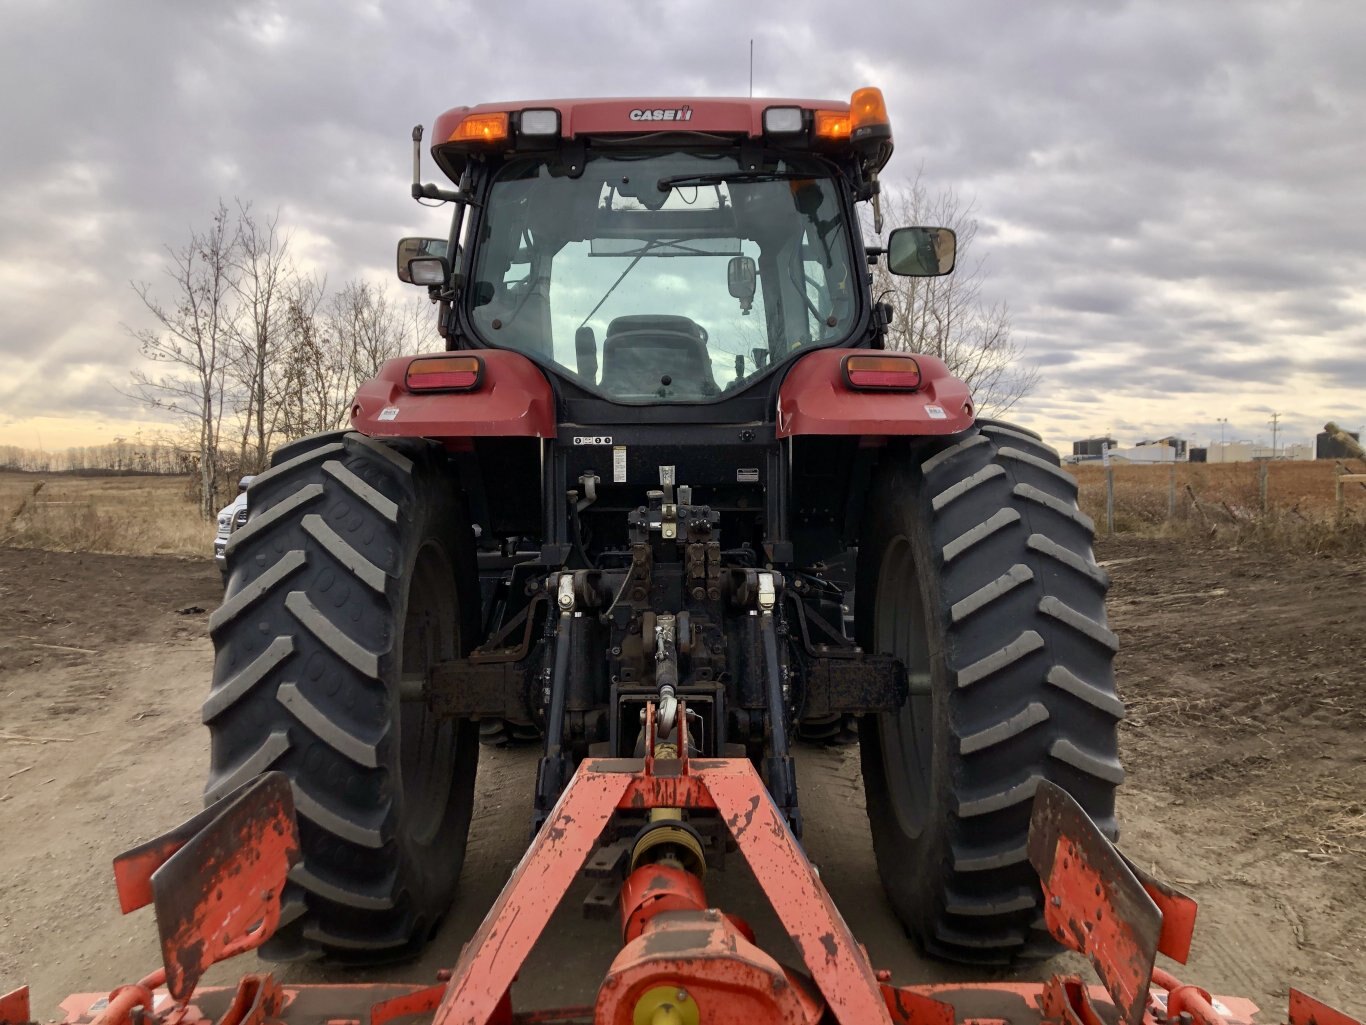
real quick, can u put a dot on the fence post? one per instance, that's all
(1171, 495)
(1265, 473)
(1340, 494)
(1110, 498)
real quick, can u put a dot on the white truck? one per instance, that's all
(230, 517)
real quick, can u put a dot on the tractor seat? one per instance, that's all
(639, 351)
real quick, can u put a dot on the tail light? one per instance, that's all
(445, 373)
(882, 373)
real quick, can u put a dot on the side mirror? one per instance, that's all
(921, 252)
(423, 261)
(742, 278)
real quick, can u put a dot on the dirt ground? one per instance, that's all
(1245, 745)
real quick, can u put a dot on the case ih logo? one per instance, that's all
(677, 114)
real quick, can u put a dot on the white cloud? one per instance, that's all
(1170, 194)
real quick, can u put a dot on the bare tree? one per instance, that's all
(367, 327)
(313, 373)
(192, 342)
(418, 331)
(329, 345)
(949, 317)
(261, 279)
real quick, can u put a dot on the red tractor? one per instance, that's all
(667, 461)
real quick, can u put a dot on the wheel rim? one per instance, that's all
(431, 633)
(900, 628)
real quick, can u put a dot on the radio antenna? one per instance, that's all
(751, 69)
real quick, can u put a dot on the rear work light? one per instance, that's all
(481, 128)
(882, 373)
(445, 373)
(783, 120)
(539, 122)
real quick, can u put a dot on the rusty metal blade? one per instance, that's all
(1178, 914)
(14, 1008)
(1305, 1010)
(1092, 902)
(133, 868)
(907, 1007)
(219, 894)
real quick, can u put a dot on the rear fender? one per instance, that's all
(815, 399)
(513, 400)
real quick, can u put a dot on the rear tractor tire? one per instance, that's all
(355, 569)
(976, 570)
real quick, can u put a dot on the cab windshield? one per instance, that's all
(663, 277)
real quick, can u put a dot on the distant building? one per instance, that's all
(1328, 447)
(1145, 454)
(1253, 452)
(1234, 452)
(1092, 448)
(1178, 444)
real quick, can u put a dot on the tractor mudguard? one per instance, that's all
(815, 398)
(513, 400)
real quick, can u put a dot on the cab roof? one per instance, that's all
(625, 115)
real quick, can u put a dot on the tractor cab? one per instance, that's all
(659, 252)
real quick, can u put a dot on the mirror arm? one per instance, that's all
(430, 191)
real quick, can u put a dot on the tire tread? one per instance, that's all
(308, 648)
(1027, 683)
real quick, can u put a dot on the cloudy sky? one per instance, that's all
(1171, 196)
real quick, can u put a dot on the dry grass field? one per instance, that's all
(155, 515)
(1219, 498)
(151, 515)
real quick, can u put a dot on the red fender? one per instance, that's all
(815, 399)
(514, 400)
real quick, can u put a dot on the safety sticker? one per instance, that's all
(388, 413)
(618, 464)
(747, 475)
(936, 413)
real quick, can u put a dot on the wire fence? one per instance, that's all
(1314, 497)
